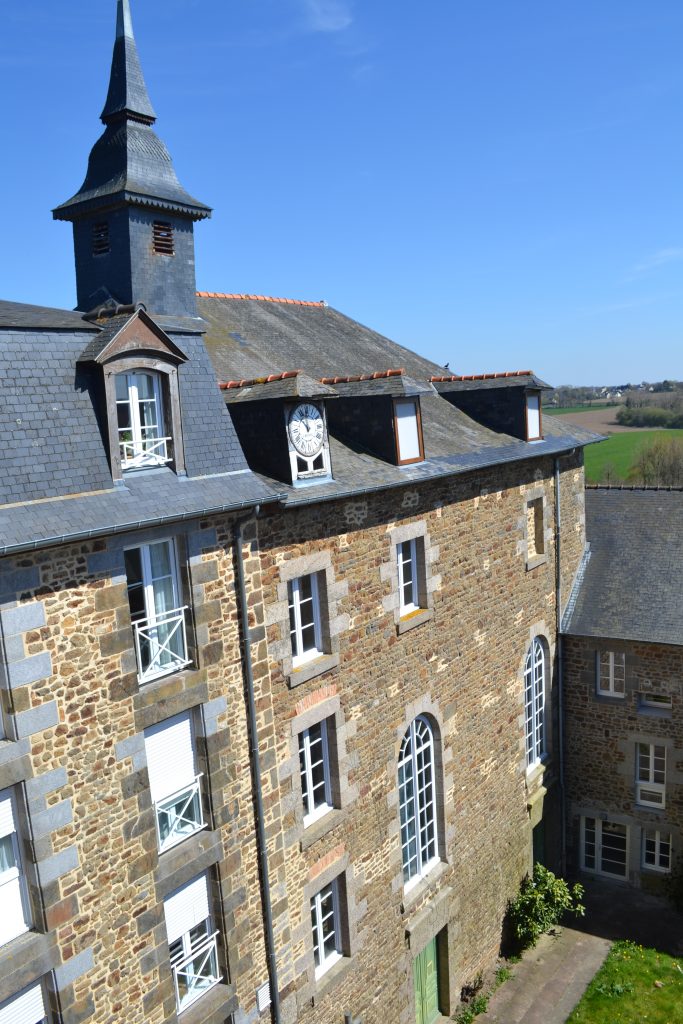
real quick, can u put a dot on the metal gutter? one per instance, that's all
(109, 530)
(560, 663)
(255, 759)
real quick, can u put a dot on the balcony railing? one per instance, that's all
(196, 973)
(179, 815)
(149, 451)
(161, 644)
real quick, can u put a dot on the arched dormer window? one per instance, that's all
(417, 801)
(140, 418)
(535, 683)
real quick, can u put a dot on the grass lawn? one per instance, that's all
(549, 410)
(634, 986)
(619, 452)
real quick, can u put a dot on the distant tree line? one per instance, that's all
(660, 464)
(667, 414)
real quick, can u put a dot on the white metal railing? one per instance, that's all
(196, 973)
(150, 451)
(179, 815)
(161, 644)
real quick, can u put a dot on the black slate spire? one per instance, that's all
(127, 90)
(133, 220)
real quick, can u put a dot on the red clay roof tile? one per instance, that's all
(260, 298)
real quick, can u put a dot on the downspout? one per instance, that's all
(560, 663)
(256, 773)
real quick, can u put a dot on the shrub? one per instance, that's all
(542, 902)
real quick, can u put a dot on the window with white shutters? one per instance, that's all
(26, 1008)
(14, 916)
(192, 941)
(174, 782)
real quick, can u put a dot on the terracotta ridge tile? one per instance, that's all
(251, 381)
(481, 376)
(377, 375)
(261, 298)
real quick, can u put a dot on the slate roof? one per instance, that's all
(255, 336)
(632, 585)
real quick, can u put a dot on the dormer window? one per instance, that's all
(140, 418)
(408, 426)
(533, 416)
(164, 244)
(100, 239)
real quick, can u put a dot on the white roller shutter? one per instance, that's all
(170, 756)
(7, 826)
(28, 1008)
(187, 907)
(408, 433)
(533, 416)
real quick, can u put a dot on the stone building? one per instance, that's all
(279, 610)
(623, 689)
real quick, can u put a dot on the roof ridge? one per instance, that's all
(251, 381)
(262, 298)
(481, 376)
(354, 378)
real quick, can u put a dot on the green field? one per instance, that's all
(552, 411)
(618, 453)
(634, 986)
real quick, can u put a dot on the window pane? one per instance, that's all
(533, 405)
(8, 860)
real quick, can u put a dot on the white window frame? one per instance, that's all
(13, 887)
(408, 427)
(610, 674)
(659, 839)
(654, 701)
(295, 601)
(180, 810)
(600, 846)
(535, 686)
(194, 953)
(325, 927)
(27, 1007)
(651, 775)
(147, 447)
(418, 812)
(413, 605)
(534, 416)
(308, 761)
(161, 637)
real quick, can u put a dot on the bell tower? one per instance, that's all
(133, 222)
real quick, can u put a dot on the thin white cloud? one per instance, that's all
(658, 259)
(328, 15)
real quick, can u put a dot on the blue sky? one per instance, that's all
(497, 185)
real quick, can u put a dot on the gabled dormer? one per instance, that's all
(281, 422)
(132, 219)
(140, 365)
(508, 403)
(379, 413)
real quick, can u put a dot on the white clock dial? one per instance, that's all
(306, 430)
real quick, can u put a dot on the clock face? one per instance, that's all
(306, 430)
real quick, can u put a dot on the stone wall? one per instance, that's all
(601, 737)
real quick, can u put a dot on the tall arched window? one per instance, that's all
(417, 801)
(535, 676)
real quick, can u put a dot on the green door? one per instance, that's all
(426, 978)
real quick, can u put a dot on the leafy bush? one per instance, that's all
(542, 902)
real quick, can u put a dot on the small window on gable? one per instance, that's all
(140, 417)
(408, 424)
(164, 244)
(610, 668)
(535, 531)
(533, 416)
(100, 238)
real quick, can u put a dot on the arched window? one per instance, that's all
(140, 418)
(417, 801)
(535, 675)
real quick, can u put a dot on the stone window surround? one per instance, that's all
(626, 769)
(580, 812)
(333, 624)
(343, 794)
(437, 919)
(351, 911)
(168, 372)
(443, 779)
(534, 775)
(427, 582)
(532, 494)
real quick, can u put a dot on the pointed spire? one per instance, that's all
(127, 96)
